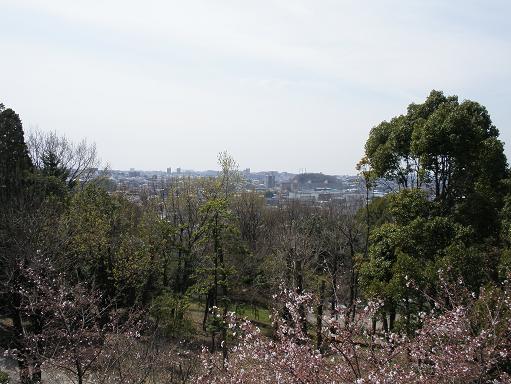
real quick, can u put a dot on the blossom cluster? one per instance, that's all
(466, 341)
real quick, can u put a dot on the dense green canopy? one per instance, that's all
(14, 159)
(448, 147)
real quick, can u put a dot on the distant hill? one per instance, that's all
(314, 180)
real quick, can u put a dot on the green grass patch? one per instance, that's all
(260, 316)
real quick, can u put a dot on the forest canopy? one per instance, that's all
(201, 280)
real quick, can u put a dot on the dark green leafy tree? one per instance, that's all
(52, 166)
(21, 224)
(410, 247)
(15, 163)
(450, 148)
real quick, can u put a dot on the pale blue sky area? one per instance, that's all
(281, 85)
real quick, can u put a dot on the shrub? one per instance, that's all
(169, 310)
(4, 378)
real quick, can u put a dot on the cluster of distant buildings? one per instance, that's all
(320, 188)
(277, 187)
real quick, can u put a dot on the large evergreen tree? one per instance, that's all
(14, 159)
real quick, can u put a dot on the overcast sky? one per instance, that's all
(281, 85)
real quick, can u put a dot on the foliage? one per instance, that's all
(4, 378)
(15, 163)
(54, 155)
(467, 341)
(355, 286)
(450, 147)
(169, 311)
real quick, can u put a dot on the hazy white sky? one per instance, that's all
(281, 85)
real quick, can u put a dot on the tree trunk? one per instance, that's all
(79, 371)
(165, 276)
(392, 318)
(179, 272)
(319, 316)
(212, 342)
(333, 300)
(24, 369)
(299, 290)
(37, 372)
(368, 224)
(209, 299)
(23, 363)
(355, 295)
(407, 309)
(36, 360)
(385, 322)
(353, 285)
(186, 272)
(224, 339)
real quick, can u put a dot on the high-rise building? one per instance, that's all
(133, 173)
(269, 181)
(169, 171)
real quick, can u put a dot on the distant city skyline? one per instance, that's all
(184, 170)
(281, 85)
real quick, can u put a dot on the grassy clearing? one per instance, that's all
(260, 316)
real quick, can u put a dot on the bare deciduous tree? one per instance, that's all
(79, 160)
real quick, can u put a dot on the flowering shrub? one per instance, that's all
(68, 325)
(463, 339)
